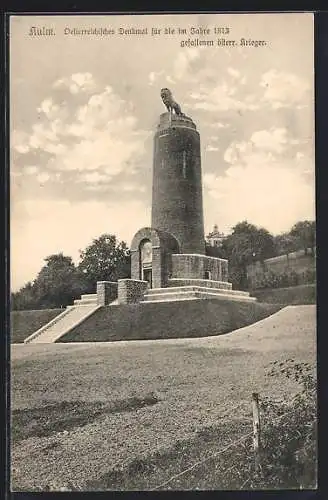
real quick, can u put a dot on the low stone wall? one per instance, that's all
(106, 292)
(194, 266)
(131, 291)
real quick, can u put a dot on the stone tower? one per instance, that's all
(177, 201)
(168, 259)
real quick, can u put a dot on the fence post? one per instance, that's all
(256, 431)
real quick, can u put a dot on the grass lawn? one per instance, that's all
(293, 295)
(24, 323)
(130, 414)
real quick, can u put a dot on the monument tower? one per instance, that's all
(177, 201)
(168, 260)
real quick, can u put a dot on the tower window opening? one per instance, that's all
(207, 275)
(184, 165)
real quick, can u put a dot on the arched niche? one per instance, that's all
(146, 259)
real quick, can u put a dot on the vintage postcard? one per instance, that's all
(163, 252)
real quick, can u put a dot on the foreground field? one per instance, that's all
(85, 416)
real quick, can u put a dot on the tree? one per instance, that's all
(58, 282)
(243, 246)
(24, 299)
(213, 251)
(285, 243)
(106, 259)
(254, 243)
(304, 232)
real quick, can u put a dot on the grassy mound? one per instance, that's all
(196, 318)
(294, 295)
(24, 323)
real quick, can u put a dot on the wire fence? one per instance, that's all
(234, 443)
(225, 448)
(121, 464)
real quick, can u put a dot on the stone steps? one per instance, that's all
(61, 324)
(169, 290)
(186, 293)
(178, 282)
(86, 299)
(89, 296)
(84, 302)
(169, 297)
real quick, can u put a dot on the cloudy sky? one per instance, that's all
(84, 108)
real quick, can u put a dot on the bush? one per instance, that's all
(288, 453)
(289, 433)
(285, 279)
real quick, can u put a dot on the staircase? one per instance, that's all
(64, 322)
(194, 292)
(87, 299)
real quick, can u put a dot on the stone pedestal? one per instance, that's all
(131, 291)
(106, 292)
(202, 267)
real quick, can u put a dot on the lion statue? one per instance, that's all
(169, 102)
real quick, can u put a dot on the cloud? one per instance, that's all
(261, 146)
(154, 76)
(209, 147)
(31, 169)
(43, 177)
(219, 125)
(226, 90)
(99, 135)
(169, 79)
(183, 62)
(272, 196)
(35, 228)
(232, 90)
(19, 141)
(263, 184)
(93, 177)
(183, 67)
(283, 89)
(274, 139)
(233, 72)
(77, 82)
(221, 97)
(48, 107)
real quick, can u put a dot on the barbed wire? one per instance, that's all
(291, 410)
(213, 455)
(124, 463)
(230, 445)
(218, 453)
